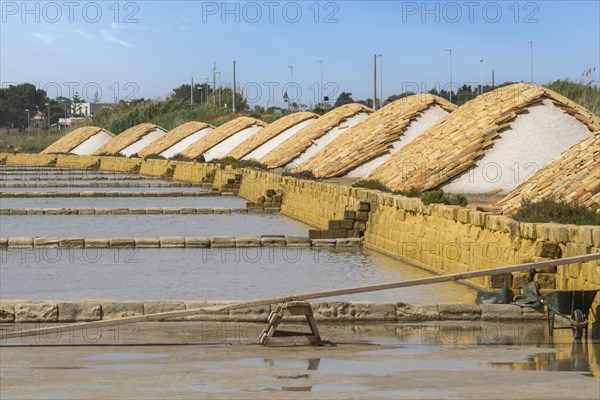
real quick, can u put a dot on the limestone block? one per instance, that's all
(199, 242)
(187, 210)
(362, 216)
(364, 206)
(460, 312)
(79, 311)
(154, 210)
(86, 211)
(500, 312)
(349, 242)
(256, 210)
(18, 211)
(497, 281)
(319, 243)
(222, 241)
(297, 241)
(36, 312)
(334, 224)
(20, 243)
(97, 243)
(247, 241)
(221, 210)
(365, 311)
(46, 243)
(272, 241)
(349, 214)
(273, 210)
(147, 242)
(558, 233)
(122, 243)
(520, 278)
(172, 242)
(417, 312)
(347, 224)
(121, 211)
(334, 311)
(596, 236)
(154, 307)
(71, 243)
(35, 211)
(113, 310)
(7, 312)
(545, 281)
(546, 249)
(314, 234)
(3, 243)
(103, 211)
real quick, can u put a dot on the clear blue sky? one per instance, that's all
(151, 47)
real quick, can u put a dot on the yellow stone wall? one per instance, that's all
(29, 159)
(158, 168)
(120, 164)
(192, 172)
(78, 162)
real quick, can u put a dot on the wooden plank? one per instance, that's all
(306, 296)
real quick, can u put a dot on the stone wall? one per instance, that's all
(28, 159)
(78, 162)
(121, 164)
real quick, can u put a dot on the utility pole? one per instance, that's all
(215, 84)
(450, 51)
(374, 81)
(481, 79)
(531, 61)
(233, 89)
(380, 79)
(48, 109)
(291, 67)
(321, 85)
(27, 110)
(192, 92)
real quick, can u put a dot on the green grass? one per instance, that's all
(372, 184)
(427, 197)
(233, 162)
(29, 142)
(308, 175)
(555, 211)
(586, 95)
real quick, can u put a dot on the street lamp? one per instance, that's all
(321, 86)
(27, 111)
(481, 79)
(291, 67)
(450, 52)
(206, 90)
(381, 78)
(48, 109)
(531, 61)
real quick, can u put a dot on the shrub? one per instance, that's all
(371, 184)
(308, 175)
(556, 211)
(410, 192)
(154, 157)
(235, 163)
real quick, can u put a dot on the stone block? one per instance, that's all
(155, 307)
(547, 249)
(197, 242)
(256, 210)
(314, 234)
(545, 281)
(334, 224)
(113, 310)
(36, 312)
(520, 278)
(272, 241)
(327, 234)
(122, 243)
(349, 242)
(497, 281)
(147, 242)
(297, 241)
(7, 313)
(318, 243)
(171, 210)
(337, 311)
(247, 241)
(349, 214)
(154, 210)
(273, 210)
(362, 216)
(340, 233)
(172, 242)
(71, 243)
(86, 211)
(3, 243)
(46, 243)
(417, 312)
(364, 206)
(501, 312)
(97, 243)
(459, 312)
(347, 224)
(20, 243)
(79, 311)
(221, 210)
(360, 225)
(222, 241)
(365, 311)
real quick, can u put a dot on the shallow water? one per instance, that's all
(118, 202)
(151, 225)
(211, 274)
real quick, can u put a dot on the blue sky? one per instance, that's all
(147, 48)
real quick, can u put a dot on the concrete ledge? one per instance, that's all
(94, 310)
(122, 211)
(172, 242)
(108, 194)
(112, 184)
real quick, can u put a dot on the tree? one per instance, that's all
(96, 98)
(15, 100)
(200, 93)
(344, 98)
(224, 98)
(76, 105)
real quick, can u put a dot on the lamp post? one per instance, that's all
(380, 78)
(27, 111)
(206, 90)
(481, 79)
(531, 60)
(48, 110)
(233, 89)
(290, 94)
(321, 85)
(450, 52)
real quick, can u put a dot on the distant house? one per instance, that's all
(88, 109)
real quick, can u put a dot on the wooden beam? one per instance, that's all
(305, 296)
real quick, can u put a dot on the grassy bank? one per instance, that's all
(33, 142)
